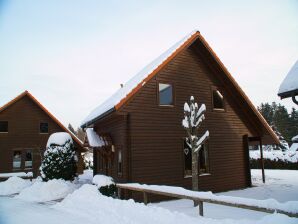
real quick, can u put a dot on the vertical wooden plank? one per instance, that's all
(145, 198)
(262, 161)
(201, 209)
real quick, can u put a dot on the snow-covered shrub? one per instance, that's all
(105, 184)
(59, 161)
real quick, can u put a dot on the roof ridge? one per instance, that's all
(138, 80)
(27, 93)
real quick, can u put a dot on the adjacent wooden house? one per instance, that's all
(137, 135)
(25, 126)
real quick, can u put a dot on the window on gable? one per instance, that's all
(17, 159)
(165, 94)
(43, 127)
(203, 165)
(3, 126)
(217, 99)
(28, 159)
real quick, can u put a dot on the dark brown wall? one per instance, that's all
(116, 127)
(23, 119)
(157, 133)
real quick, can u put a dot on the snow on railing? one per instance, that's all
(289, 208)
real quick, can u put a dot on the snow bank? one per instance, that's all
(290, 156)
(102, 180)
(13, 185)
(18, 174)
(59, 138)
(46, 191)
(290, 206)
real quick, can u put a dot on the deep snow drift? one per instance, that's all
(47, 191)
(13, 185)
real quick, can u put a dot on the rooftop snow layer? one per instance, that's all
(290, 83)
(132, 83)
(93, 139)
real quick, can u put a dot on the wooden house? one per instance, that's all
(25, 126)
(137, 134)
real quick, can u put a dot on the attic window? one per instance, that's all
(43, 127)
(217, 99)
(4, 126)
(165, 94)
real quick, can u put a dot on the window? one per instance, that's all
(203, 159)
(120, 162)
(17, 159)
(3, 126)
(43, 127)
(165, 94)
(217, 99)
(28, 159)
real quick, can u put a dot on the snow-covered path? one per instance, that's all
(87, 206)
(14, 211)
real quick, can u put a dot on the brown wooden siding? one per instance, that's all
(116, 127)
(156, 131)
(23, 119)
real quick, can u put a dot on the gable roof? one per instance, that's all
(289, 86)
(26, 93)
(118, 99)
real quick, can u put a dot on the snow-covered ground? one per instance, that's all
(290, 156)
(86, 205)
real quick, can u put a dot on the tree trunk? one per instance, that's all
(194, 173)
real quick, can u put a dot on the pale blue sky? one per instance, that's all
(72, 55)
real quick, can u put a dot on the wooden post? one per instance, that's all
(262, 161)
(201, 210)
(145, 198)
(119, 192)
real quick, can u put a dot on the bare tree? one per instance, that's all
(193, 118)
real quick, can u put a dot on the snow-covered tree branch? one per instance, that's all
(193, 118)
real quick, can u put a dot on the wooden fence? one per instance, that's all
(200, 201)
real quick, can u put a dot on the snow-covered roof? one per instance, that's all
(59, 138)
(93, 139)
(27, 93)
(290, 83)
(138, 79)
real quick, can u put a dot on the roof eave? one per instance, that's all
(87, 124)
(288, 94)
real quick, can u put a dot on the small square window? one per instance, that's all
(43, 127)
(17, 159)
(3, 126)
(165, 94)
(218, 100)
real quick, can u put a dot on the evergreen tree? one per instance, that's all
(193, 118)
(59, 159)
